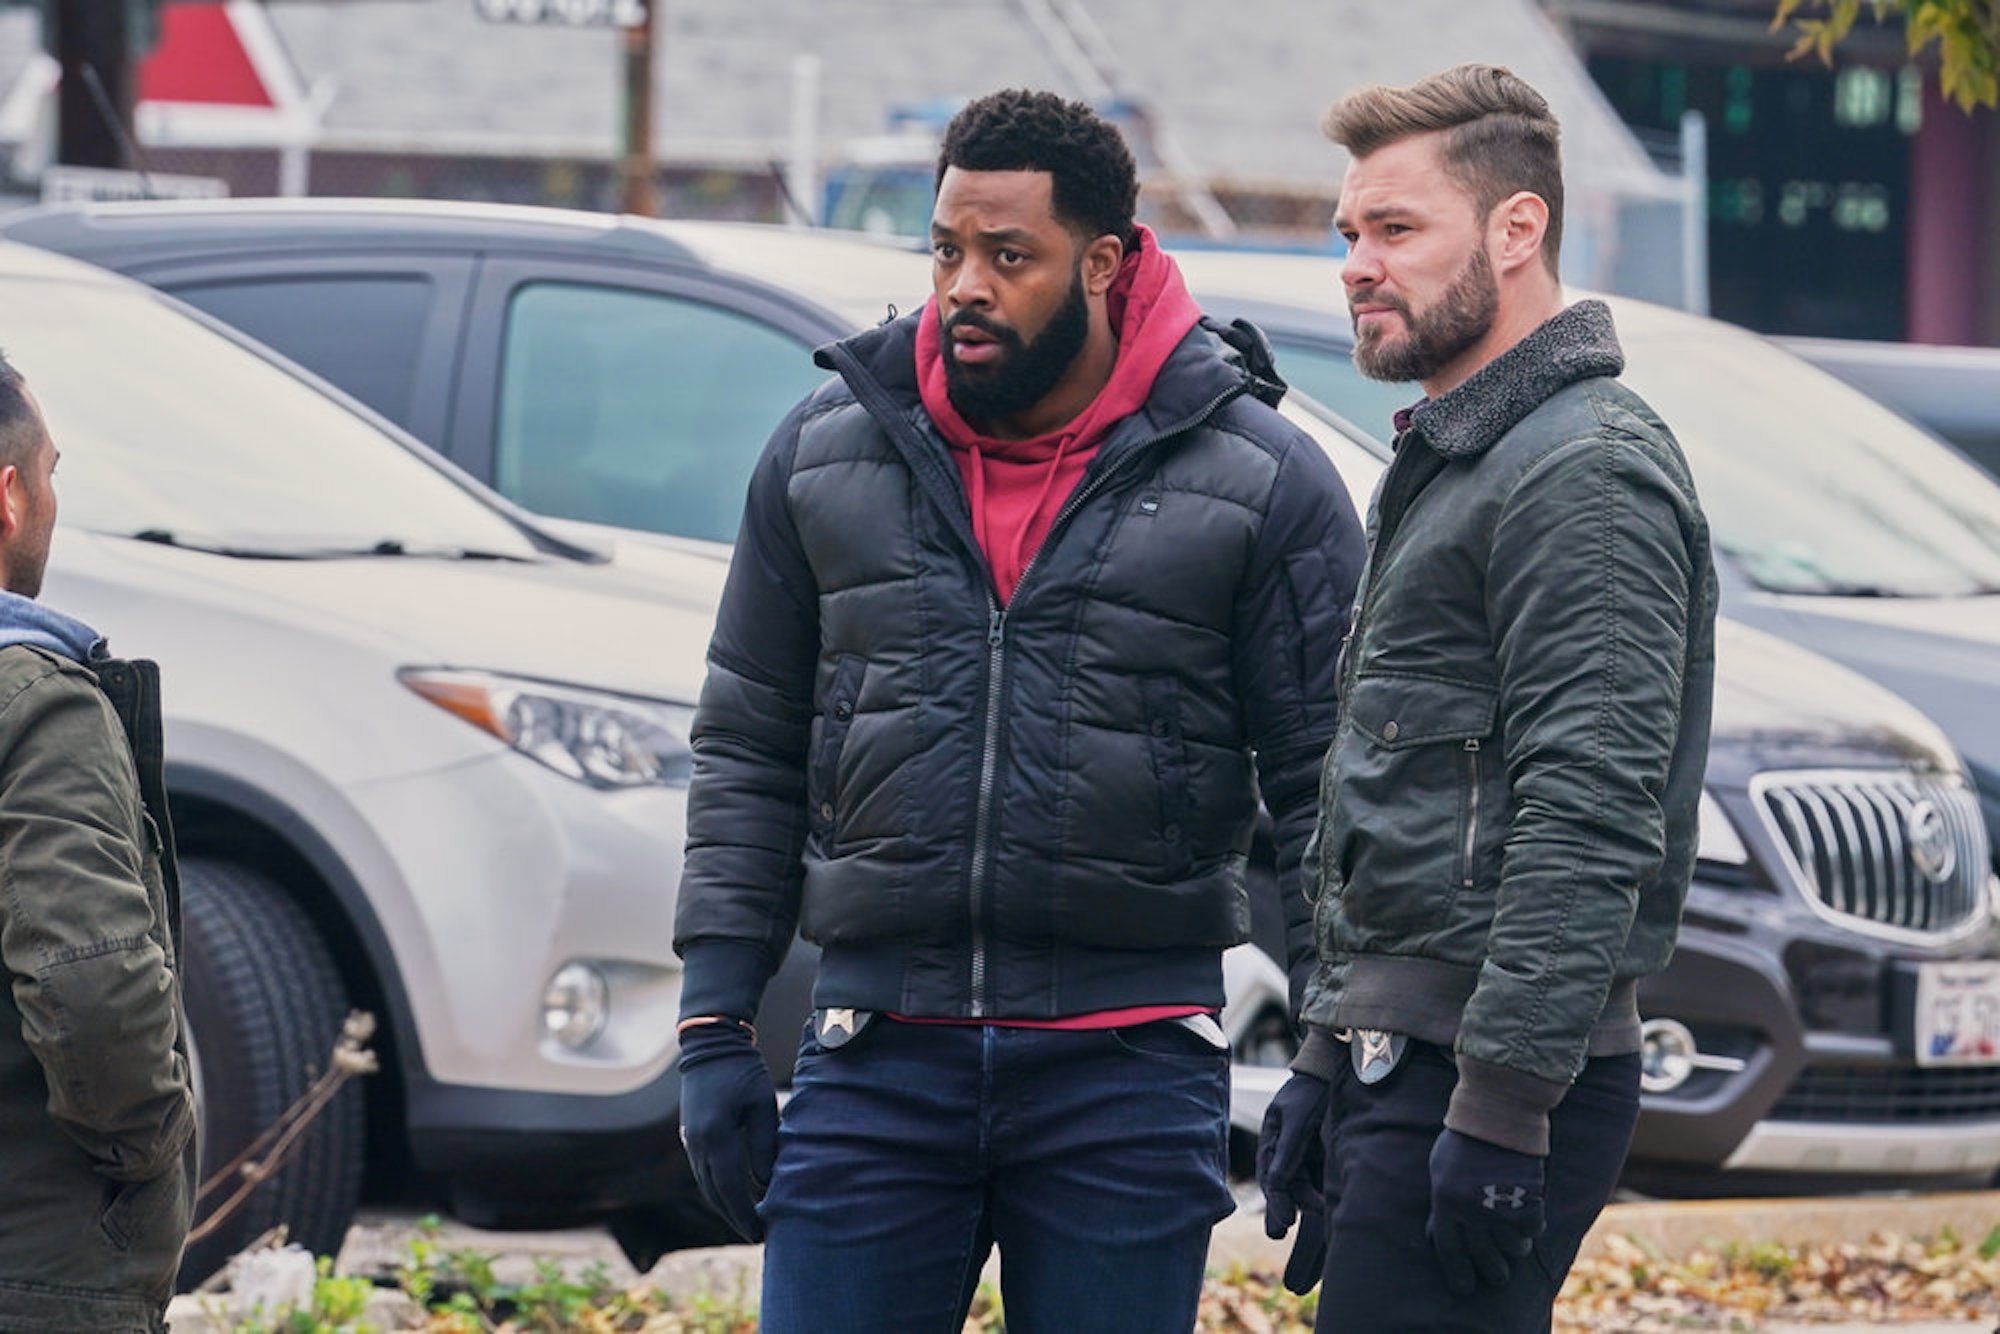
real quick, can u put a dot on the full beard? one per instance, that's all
(1026, 372)
(1435, 336)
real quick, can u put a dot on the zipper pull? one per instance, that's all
(1472, 746)
(993, 619)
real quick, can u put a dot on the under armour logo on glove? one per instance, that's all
(1486, 1210)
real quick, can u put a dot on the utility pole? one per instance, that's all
(93, 43)
(640, 195)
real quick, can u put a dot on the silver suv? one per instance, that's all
(423, 759)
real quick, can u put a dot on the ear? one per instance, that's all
(13, 503)
(1101, 261)
(1515, 229)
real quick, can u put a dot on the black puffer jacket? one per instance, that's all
(1022, 812)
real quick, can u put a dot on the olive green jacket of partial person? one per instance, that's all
(97, 1115)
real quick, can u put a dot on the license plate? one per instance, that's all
(1958, 1013)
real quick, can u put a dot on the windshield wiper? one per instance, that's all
(388, 546)
(395, 546)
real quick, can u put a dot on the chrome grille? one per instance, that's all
(1894, 853)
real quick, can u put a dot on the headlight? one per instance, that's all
(1719, 840)
(605, 740)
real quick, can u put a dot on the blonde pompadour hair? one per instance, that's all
(1499, 136)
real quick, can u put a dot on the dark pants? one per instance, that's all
(1095, 1160)
(1381, 1274)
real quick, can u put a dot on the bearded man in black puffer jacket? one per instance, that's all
(1030, 604)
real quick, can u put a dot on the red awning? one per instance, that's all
(200, 58)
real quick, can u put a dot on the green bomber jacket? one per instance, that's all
(1507, 821)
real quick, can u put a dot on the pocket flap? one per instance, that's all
(1399, 711)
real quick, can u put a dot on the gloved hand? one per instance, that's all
(729, 1120)
(1291, 1166)
(1486, 1210)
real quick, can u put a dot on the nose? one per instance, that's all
(1359, 268)
(967, 283)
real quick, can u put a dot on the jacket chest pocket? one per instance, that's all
(836, 718)
(1423, 778)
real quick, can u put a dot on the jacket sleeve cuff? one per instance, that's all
(724, 977)
(1319, 1055)
(1503, 1106)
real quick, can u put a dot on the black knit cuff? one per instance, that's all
(724, 977)
(1503, 1106)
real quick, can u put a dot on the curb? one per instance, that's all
(1677, 1228)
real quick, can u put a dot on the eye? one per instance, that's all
(1010, 258)
(943, 251)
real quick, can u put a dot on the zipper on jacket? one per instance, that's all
(982, 837)
(1472, 809)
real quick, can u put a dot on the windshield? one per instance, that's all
(171, 432)
(1809, 486)
(1812, 487)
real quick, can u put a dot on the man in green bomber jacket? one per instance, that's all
(97, 1119)
(1507, 820)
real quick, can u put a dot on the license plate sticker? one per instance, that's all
(1958, 1013)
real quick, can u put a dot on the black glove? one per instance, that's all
(1306, 1265)
(1291, 1165)
(1486, 1210)
(729, 1120)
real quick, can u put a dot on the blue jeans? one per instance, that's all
(1095, 1160)
(1381, 1273)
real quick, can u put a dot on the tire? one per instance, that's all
(264, 1005)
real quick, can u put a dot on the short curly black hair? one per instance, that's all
(1096, 182)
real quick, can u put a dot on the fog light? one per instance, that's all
(1666, 1055)
(575, 1005)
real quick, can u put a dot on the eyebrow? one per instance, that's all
(1379, 213)
(995, 236)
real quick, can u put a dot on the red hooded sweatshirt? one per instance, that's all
(1018, 486)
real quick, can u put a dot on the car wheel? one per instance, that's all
(264, 1005)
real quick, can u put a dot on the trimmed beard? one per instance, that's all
(1027, 372)
(1435, 336)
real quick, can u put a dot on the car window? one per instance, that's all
(171, 430)
(360, 331)
(637, 408)
(1812, 486)
(1808, 485)
(1328, 374)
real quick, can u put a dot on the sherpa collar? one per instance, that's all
(1577, 343)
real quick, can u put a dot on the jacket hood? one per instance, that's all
(26, 621)
(1210, 364)
(1577, 343)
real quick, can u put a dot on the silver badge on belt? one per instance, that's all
(1375, 1053)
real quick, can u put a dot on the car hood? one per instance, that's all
(1940, 654)
(1779, 706)
(608, 625)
